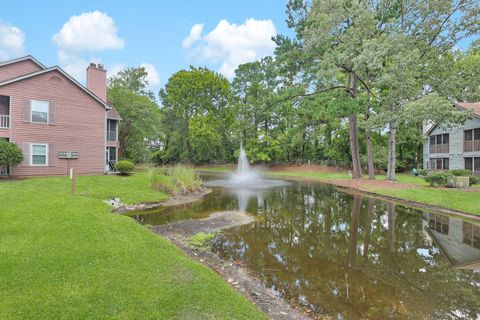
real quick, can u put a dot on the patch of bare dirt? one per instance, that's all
(305, 168)
(234, 274)
(364, 184)
(174, 201)
(214, 222)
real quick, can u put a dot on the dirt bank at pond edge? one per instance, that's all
(173, 201)
(237, 276)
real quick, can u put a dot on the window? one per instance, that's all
(439, 163)
(111, 130)
(446, 138)
(468, 163)
(39, 155)
(440, 139)
(472, 164)
(476, 135)
(468, 135)
(40, 111)
(446, 163)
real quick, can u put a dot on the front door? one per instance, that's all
(111, 158)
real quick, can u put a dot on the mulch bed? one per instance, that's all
(365, 184)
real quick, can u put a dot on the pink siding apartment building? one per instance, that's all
(58, 123)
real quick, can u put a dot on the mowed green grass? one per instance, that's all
(461, 200)
(66, 256)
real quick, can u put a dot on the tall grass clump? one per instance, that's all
(178, 180)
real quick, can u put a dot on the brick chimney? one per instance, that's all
(97, 80)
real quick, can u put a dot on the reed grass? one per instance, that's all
(178, 180)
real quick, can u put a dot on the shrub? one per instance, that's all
(474, 180)
(10, 154)
(460, 172)
(439, 179)
(125, 167)
(176, 180)
(422, 172)
(158, 157)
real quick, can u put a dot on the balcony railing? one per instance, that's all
(470, 146)
(111, 135)
(440, 148)
(4, 122)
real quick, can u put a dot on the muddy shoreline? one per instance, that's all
(237, 276)
(172, 202)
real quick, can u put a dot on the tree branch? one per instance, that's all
(439, 30)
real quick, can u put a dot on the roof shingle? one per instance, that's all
(113, 113)
(474, 106)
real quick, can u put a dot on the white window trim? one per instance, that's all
(46, 154)
(31, 111)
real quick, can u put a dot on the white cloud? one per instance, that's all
(12, 41)
(194, 36)
(230, 44)
(91, 31)
(81, 37)
(75, 65)
(153, 77)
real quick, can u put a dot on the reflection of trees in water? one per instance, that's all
(350, 257)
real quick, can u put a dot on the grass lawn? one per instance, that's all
(66, 256)
(456, 199)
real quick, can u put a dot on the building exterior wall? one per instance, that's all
(97, 81)
(17, 69)
(456, 154)
(79, 124)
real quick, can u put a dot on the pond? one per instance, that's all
(346, 256)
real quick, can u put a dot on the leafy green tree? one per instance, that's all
(139, 111)
(134, 80)
(198, 100)
(10, 154)
(206, 142)
(340, 34)
(383, 50)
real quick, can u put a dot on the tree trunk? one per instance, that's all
(371, 166)
(392, 153)
(355, 147)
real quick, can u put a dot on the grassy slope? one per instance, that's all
(68, 257)
(447, 198)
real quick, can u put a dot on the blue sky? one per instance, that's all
(119, 34)
(142, 32)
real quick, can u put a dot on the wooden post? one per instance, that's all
(74, 180)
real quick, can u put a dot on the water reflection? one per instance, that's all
(458, 240)
(349, 257)
(244, 196)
